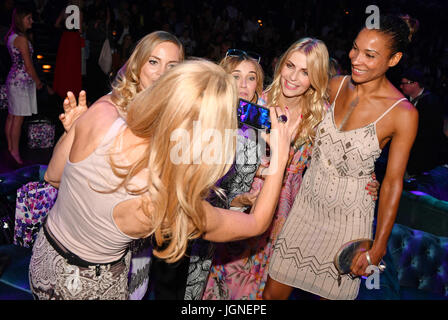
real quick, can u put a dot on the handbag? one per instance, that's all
(34, 201)
(40, 134)
(347, 255)
(105, 59)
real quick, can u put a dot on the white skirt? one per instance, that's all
(22, 101)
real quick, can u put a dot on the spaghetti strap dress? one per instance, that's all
(331, 208)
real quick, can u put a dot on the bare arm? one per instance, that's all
(405, 131)
(81, 140)
(59, 158)
(21, 43)
(226, 225)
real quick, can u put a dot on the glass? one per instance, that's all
(407, 82)
(242, 53)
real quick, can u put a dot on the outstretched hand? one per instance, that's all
(73, 110)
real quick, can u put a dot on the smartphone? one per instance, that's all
(253, 115)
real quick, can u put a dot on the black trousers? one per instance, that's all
(170, 279)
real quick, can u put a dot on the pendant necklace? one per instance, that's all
(352, 106)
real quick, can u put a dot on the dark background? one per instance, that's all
(209, 28)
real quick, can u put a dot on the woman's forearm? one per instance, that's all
(32, 72)
(269, 194)
(390, 195)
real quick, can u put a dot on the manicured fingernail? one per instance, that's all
(301, 116)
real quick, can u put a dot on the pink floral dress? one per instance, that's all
(239, 269)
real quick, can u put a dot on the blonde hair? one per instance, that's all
(127, 82)
(230, 63)
(193, 92)
(314, 99)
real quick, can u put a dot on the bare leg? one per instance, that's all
(8, 126)
(275, 290)
(16, 130)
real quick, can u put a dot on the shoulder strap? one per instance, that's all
(340, 87)
(387, 111)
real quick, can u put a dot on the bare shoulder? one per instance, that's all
(21, 42)
(333, 86)
(101, 113)
(405, 115)
(105, 98)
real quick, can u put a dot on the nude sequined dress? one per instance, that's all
(331, 208)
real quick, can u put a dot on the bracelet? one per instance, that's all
(368, 258)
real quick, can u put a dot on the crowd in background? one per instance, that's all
(209, 28)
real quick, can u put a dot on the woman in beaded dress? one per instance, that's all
(332, 206)
(239, 269)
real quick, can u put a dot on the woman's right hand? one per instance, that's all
(282, 133)
(72, 110)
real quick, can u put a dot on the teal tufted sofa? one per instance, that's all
(417, 267)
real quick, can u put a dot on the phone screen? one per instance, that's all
(253, 115)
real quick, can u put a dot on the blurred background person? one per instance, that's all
(430, 148)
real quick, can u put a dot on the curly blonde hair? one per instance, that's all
(192, 92)
(315, 98)
(127, 82)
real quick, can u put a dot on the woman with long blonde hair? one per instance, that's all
(153, 55)
(121, 181)
(239, 270)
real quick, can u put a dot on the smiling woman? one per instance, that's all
(332, 207)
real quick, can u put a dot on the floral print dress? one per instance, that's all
(20, 87)
(239, 269)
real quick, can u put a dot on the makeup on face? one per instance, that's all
(294, 75)
(164, 56)
(368, 56)
(246, 78)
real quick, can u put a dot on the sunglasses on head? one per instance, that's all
(242, 53)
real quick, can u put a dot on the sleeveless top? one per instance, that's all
(18, 76)
(331, 208)
(82, 218)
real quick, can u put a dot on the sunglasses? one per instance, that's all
(407, 82)
(242, 53)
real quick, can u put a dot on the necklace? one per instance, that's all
(353, 104)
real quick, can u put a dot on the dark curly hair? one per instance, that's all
(400, 29)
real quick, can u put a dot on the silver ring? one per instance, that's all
(282, 118)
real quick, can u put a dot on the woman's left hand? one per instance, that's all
(373, 187)
(72, 109)
(361, 264)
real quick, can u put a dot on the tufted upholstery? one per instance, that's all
(421, 211)
(421, 260)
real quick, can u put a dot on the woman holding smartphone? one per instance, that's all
(154, 54)
(118, 183)
(239, 270)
